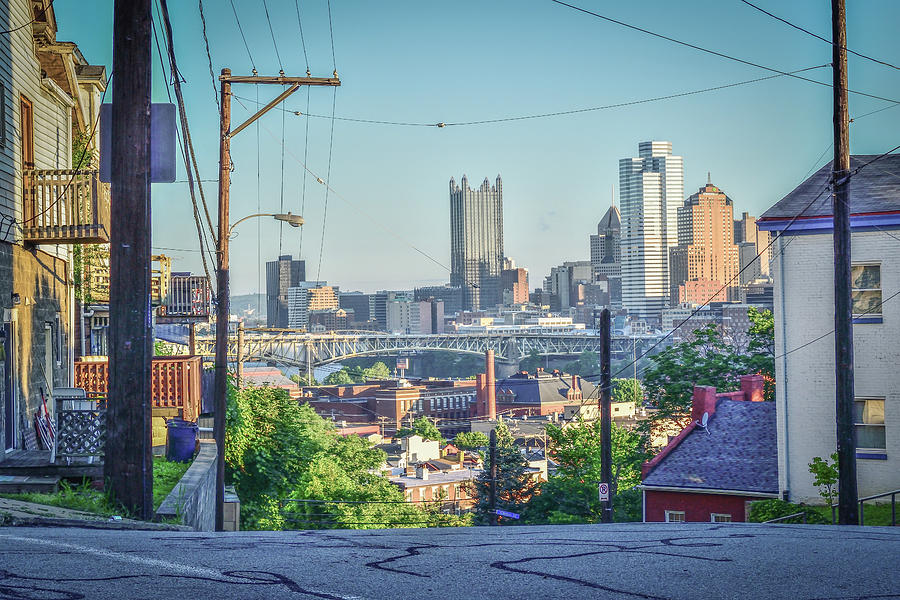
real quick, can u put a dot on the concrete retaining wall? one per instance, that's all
(193, 500)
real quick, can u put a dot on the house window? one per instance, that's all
(720, 518)
(868, 417)
(866, 282)
(674, 516)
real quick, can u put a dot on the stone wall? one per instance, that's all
(193, 500)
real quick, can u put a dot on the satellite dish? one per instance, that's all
(703, 423)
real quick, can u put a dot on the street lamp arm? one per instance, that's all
(289, 218)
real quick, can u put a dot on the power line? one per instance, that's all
(212, 75)
(272, 33)
(327, 184)
(302, 39)
(303, 186)
(243, 37)
(708, 51)
(554, 113)
(34, 20)
(331, 35)
(817, 36)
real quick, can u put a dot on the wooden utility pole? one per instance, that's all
(493, 482)
(222, 297)
(128, 466)
(848, 512)
(605, 413)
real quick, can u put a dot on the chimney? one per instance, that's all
(753, 387)
(491, 384)
(480, 400)
(575, 384)
(410, 471)
(704, 401)
(422, 472)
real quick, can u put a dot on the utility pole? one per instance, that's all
(222, 297)
(493, 495)
(605, 413)
(848, 511)
(128, 466)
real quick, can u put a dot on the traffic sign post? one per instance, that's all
(507, 514)
(604, 492)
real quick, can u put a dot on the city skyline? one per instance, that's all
(389, 179)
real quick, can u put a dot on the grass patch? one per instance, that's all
(166, 476)
(874, 514)
(84, 497)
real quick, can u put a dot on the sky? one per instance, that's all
(386, 223)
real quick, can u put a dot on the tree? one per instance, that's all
(470, 440)
(423, 427)
(531, 362)
(826, 477)
(291, 468)
(571, 494)
(515, 485)
(627, 390)
(378, 371)
(341, 377)
(708, 360)
(302, 380)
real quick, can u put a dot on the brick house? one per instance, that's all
(804, 319)
(711, 474)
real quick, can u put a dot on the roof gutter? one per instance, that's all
(665, 488)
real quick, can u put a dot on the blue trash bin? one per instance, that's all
(181, 440)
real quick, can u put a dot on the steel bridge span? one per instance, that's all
(292, 348)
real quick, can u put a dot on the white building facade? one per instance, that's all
(804, 323)
(651, 188)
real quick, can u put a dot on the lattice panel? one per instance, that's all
(81, 432)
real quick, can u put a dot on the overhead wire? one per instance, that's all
(272, 33)
(237, 20)
(303, 183)
(281, 198)
(818, 37)
(34, 20)
(212, 75)
(302, 39)
(327, 186)
(187, 147)
(331, 35)
(712, 52)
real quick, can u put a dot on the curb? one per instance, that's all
(7, 520)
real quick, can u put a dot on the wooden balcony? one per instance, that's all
(65, 207)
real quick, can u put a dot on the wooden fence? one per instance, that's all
(176, 382)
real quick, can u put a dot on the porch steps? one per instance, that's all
(20, 484)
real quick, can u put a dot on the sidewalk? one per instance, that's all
(16, 513)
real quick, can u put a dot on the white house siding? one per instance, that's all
(804, 310)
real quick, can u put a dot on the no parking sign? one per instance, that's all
(604, 492)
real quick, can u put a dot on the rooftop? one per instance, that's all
(739, 453)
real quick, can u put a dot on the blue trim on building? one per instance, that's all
(871, 455)
(866, 320)
(824, 224)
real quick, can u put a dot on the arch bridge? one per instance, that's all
(300, 349)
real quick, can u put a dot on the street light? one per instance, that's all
(222, 309)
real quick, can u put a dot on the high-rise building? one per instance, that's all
(514, 283)
(606, 253)
(651, 188)
(564, 282)
(450, 295)
(281, 275)
(476, 242)
(706, 257)
(409, 316)
(306, 297)
(746, 232)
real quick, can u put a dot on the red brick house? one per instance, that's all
(711, 474)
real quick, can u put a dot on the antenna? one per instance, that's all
(703, 422)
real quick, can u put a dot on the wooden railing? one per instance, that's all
(65, 206)
(175, 382)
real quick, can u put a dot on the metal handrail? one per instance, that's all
(893, 496)
(793, 516)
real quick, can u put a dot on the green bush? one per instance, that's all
(766, 510)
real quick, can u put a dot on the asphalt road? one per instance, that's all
(590, 561)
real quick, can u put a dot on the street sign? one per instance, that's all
(604, 492)
(503, 513)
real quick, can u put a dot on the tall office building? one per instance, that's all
(476, 242)
(307, 297)
(746, 232)
(281, 275)
(651, 188)
(706, 257)
(606, 253)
